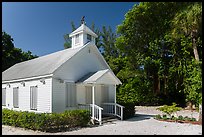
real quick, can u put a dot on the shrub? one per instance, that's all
(192, 119)
(45, 121)
(180, 118)
(173, 118)
(129, 110)
(164, 117)
(158, 116)
(169, 109)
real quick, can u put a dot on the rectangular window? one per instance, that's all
(77, 39)
(88, 37)
(15, 97)
(33, 97)
(70, 95)
(3, 96)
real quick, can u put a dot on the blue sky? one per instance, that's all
(40, 26)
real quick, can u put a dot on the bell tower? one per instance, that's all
(82, 35)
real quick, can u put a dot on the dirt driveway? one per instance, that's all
(142, 124)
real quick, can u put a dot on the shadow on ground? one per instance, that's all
(139, 117)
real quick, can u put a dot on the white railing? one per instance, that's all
(113, 109)
(96, 111)
(85, 106)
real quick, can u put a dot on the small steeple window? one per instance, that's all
(77, 39)
(88, 37)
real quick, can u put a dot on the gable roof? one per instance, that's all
(83, 28)
(99, 78)
(43, 65)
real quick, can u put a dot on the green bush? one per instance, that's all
(158, 116)
(129, 110)
(46, 121)
(173, 118)
(169, 109)
(192, 119)
(180, 118)
(164, 117)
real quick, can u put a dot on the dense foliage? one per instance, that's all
(46, 121)
(179, 118)
(169, 110)
(12, 55)
(160, 45)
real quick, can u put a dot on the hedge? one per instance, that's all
(129, 110)
(49, 122)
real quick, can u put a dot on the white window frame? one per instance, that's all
(77, 39)
(3, 96)
(33, 97)
(88, 35)
(16, 97)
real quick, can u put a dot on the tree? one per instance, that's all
(146, 40)
(108, 42)
(67, 39)
(142, 36)
(98, 39)
(189, 22)
(12, 55)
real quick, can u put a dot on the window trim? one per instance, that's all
(77, 39)
(17, 90)
(5, 97)
(31, 98)
(90, 38)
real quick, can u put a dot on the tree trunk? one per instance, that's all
(200, 113)
(156, 84)
(195, 50)
(165, 85)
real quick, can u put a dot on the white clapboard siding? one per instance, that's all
(81, 64)
(43, 96)
(108, 79)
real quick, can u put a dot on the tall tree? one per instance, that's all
(98, 39)
(145, 38)
(188, 22)
(12, 55)
(142, 33)
(67, 39)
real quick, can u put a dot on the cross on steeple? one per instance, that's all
(82, 20)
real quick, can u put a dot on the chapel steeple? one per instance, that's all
(82, 35)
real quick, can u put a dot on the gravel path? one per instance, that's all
(142, 124)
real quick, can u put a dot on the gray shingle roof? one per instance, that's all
(39, 66)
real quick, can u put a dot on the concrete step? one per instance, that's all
(109, 119)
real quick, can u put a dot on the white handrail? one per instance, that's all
(97, 111)
(113, 109)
